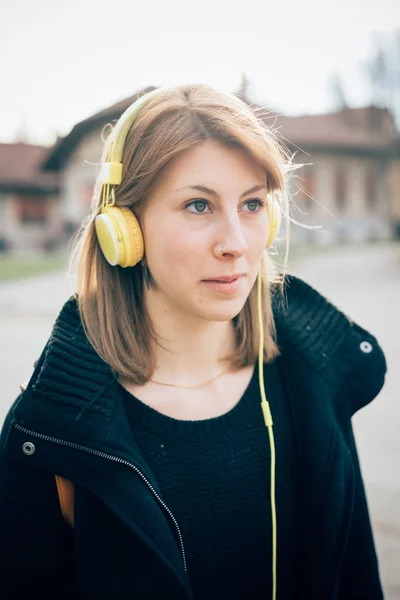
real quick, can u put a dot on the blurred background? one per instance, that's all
(327, 79)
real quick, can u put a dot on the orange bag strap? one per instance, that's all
(66, 490)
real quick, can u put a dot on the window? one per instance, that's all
(307, 184)
(340, 187)
(32, 210)
(371, 187)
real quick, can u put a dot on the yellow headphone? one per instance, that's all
(121, 241)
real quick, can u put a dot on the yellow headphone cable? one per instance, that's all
(120, 239)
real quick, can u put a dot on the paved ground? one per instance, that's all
(27, 312)
(364, 282)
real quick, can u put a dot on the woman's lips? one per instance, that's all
(225, 287)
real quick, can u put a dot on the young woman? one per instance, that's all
(141, 460)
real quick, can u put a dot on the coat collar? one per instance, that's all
(73, 397)
(71, 375)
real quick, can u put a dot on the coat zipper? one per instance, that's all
(114, 459)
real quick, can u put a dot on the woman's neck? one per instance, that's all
(190, 350)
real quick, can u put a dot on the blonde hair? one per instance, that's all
(110, 298)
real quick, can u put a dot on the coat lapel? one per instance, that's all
(77, 400)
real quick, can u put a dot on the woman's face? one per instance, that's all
(184, 228)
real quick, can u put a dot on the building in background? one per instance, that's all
(29, 200)
(394, 186)
(350, 184)
(75, 159)
(350, 188)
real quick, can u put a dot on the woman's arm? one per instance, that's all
(360, 578)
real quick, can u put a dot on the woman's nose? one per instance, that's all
(232, 240)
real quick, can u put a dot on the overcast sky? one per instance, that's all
(63, 61)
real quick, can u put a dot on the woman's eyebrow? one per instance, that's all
(206, 190)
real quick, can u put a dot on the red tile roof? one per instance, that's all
(64, 146)
(20, 168)
(365, 130)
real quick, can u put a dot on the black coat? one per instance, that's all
(124, 544)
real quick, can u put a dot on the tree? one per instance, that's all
(337, 92)
(382, 71)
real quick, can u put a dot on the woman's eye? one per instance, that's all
(256, 204)
(202, 203)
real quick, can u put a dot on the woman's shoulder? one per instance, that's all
(315, 331)
(68, 371)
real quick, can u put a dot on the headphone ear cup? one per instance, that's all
(274, 219)
(120, 237)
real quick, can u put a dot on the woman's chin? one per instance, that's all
(222, 311)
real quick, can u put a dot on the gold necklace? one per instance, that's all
(188, 387)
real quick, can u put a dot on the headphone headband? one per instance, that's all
(111, 170)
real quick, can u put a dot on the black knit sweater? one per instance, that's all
(214, 474)
(73, 418)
